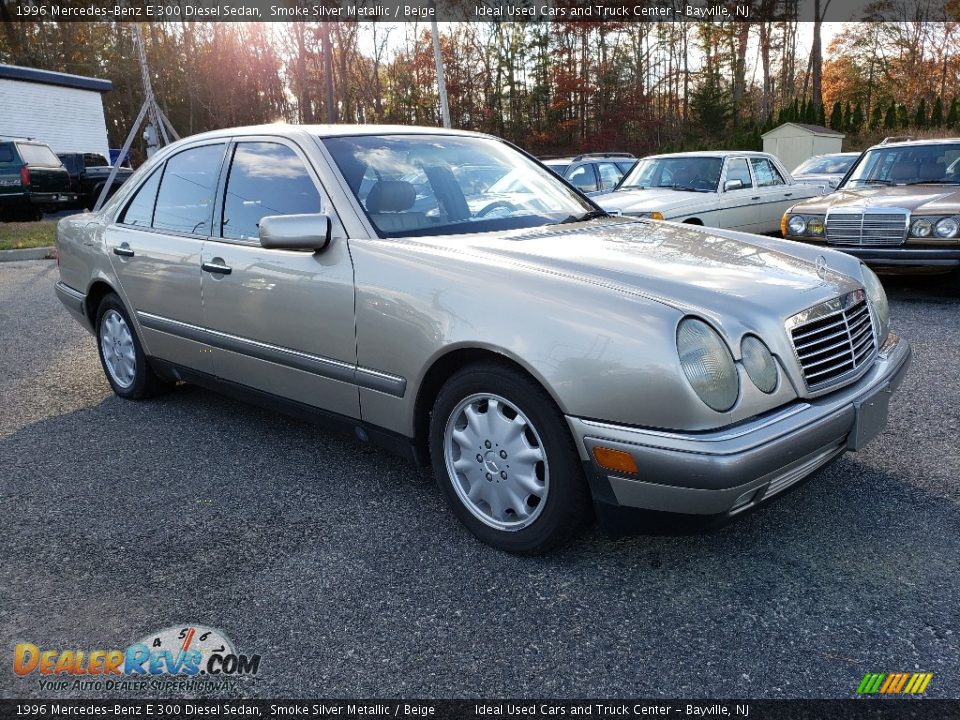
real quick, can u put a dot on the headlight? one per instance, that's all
(921, 228)
(808, 225)
(708, 364)
(759, 363)
(877, 297)
(947, 228)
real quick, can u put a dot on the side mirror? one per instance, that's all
(295, 232)
(732, 185)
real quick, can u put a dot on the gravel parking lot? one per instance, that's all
(340, 565)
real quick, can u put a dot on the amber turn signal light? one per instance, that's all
(616, 460)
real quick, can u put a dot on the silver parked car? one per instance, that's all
(825, 169)
(548, 359)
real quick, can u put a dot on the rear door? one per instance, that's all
(283, 319)
(737, 207)
(11, 186)
(155, 247)
(774, 193)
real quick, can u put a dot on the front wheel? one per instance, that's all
(505, 460)
(121, 354)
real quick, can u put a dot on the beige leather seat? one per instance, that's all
(389, 204)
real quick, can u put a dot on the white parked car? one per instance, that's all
(737, 190)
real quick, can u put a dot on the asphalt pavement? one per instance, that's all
(340, 566)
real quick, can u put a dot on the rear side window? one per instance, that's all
(39, 155)
(6, 153)
(140, 210)
(582, 178)
(266, 178)
(766, 173)
(185, 198)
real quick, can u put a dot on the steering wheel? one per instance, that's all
(701, 184)
(496, 205)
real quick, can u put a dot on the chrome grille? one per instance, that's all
(867, 228)
(833, 340)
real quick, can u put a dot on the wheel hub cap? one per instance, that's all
(116, 344)
(496, 461)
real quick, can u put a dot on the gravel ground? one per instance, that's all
(340, 565)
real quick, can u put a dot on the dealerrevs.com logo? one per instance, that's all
(183, 657)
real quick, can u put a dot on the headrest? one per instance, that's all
(391, 196)
(903, 170)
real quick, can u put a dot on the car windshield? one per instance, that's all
(412, 185)
(908, 165)
(826, 164)
(701, 174)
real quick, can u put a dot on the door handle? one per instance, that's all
(123, 251)
(215, 268)
(789, 194)
(755, 197)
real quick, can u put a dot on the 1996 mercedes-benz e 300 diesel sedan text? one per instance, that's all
(540, 353)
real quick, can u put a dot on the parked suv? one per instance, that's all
(89, 172)
(32, 180)
(898, 206)
(593, 172)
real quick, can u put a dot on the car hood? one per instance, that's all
(915, 198)
(659, 199)
(717, 273)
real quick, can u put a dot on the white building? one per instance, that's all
(64, 111)
(793, 143)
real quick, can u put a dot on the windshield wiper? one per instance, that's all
(687, 188)
(934, 182)
(591, 215)
(874, 181)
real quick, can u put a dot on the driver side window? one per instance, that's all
(583, 179)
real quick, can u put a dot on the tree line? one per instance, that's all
(552, 87)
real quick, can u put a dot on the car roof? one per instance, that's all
(332, 131)
(713, 154)
(911, 143)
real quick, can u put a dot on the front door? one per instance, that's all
(282, 321)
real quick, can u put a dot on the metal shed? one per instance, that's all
(793, 143)
(64, 111)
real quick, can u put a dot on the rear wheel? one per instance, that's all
(121, 353)
(505, 460)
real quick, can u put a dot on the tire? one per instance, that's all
(121, 354)
(530, 509)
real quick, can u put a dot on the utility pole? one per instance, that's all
(441, 81)
(328, 73)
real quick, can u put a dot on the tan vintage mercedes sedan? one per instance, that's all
(553, 363)
(897, 207)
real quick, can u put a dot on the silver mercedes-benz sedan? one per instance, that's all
(553, 363)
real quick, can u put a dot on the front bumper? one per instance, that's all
(724, 472)
(910, 254)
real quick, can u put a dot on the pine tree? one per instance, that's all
(936, 115)
(890, 120)
(876, 117)
(848, 118)
(953, 117)
(903, 116)
(822, 116)
(836, 116)
(920, 117)
(856, 124)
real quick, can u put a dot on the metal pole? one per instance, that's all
(121, 156)
(441, 81)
